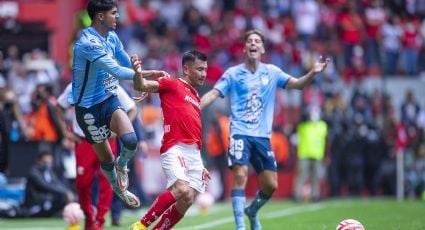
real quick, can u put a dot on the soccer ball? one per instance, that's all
(204, 201)
(72, 213)
(350, 224)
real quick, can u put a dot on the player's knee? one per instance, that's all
(129, 140)
(271, 187)
(181, 190)
(189, 197)
(240, 178)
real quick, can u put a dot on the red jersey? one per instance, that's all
(180, 105)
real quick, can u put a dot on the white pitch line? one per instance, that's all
(290, 211)
(271, 215)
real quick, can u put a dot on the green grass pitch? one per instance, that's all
(372, 213)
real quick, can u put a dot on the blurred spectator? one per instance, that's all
(12, 59)
(328, 21)
(17, 77)
(374, 19)
(375, 153)
(45, 194)
(276, 7)
(42, 124)
(214, 71)
(336, 116)
(360, 106)
(353, 154)
(412, 42)
(351, 31)
(217, 146)
(307, 14)
(281, 149)
(410, 109)
(11, 125)
(151, 117)
(43, 69)
(391, 33)
(389, 121)
(170, 10)
(312, 138)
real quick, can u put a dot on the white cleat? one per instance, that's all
(129, 199)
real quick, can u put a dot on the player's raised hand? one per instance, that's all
(136, 63)
(321, 64)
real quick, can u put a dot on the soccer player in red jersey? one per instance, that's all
(181, 143)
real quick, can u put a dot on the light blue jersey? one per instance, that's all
(97, 65)
(252, 97)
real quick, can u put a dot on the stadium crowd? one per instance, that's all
(365, 39)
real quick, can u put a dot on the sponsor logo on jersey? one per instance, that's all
(191, 100)
(109, 79)
(110, 83)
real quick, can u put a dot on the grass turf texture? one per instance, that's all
(372, 213)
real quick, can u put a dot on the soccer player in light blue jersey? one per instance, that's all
(99, 62)
(252, 86)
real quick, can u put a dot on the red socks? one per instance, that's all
(158, 207)
(169, 219)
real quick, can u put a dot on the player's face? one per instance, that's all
(196, 72)
(254, 47)
(110, 18)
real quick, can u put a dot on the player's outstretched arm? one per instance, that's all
(154, 74)
(209, 98)
(140, 83)
(305, 80)
(112, 67)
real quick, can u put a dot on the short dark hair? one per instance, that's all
(96, 6)
(257, 32)
(192, 55)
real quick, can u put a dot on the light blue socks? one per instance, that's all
(238, 203)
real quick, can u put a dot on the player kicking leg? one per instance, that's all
(98, 122)
(186, 176)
